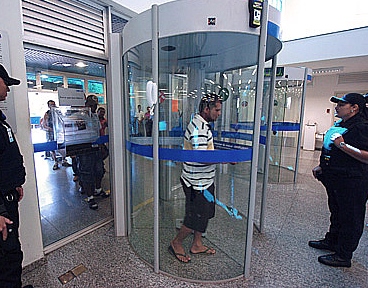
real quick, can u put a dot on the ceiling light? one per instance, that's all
(81, 65)
(327, 70)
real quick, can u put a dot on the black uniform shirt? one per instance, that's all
(12, 171)
(337, 160)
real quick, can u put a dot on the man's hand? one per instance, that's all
(3, 226)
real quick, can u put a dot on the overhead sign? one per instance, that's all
(71, 97)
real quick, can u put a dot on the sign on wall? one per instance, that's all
(71, 97)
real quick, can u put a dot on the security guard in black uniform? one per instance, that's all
(12, 177)
(343, 170)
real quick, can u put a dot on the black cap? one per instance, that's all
(352, 98)
(5, 76)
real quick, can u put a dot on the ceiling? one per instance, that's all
(40, 60)
(349, 65)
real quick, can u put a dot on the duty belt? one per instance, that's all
(326, 159)
(11, 196)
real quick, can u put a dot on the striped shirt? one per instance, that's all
(198, 136)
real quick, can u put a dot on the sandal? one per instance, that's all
(177, 255)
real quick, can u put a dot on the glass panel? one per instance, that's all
(182, 81)
(31, 80)
(76, 83)
(96, 87)
(63, 209)
(51, 82)
(140, 168)
(286, 124)
(243, 84)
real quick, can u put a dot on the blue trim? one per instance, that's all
(180, 155)
(47, 146)
(52, 145)
(102, 139)
(276, 126)
(240, 135)
(273, 29)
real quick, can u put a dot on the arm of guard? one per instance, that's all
(358, 154)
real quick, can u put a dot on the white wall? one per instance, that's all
(318, 99)
(352, 43)
(334, 46)
(30, 230)
(302, 18)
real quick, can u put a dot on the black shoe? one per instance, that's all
(321, 244)
(334, 260)
(28, 286)
(66, 164)
(102, 193)
(92, 204)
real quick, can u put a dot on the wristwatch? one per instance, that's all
(342, 144)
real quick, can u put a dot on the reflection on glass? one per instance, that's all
(51, 82)
(76, 83)
(63, 208)
(180, 89)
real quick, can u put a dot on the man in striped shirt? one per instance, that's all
(198, 178)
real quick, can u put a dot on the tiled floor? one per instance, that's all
(281, 257)
(63, 208)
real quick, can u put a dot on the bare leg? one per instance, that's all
(198, 247)
(53, 156)
(177, 243)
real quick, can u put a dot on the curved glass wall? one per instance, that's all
(191, 64)
(285, 130)
(180, 93)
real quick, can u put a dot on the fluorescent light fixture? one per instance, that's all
(81, 64)
(327, 70)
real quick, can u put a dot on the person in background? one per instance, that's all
(90, 165)
(198, 179)
(12, 177)
(103, 126)
(103, 121)
(48, 125)
(148, 122)
(343, 170)
(139, 118)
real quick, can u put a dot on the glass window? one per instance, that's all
(45, 73)
(31, 80)
(278, 4)
(95, 87)
(51, 82)
(76, 83)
